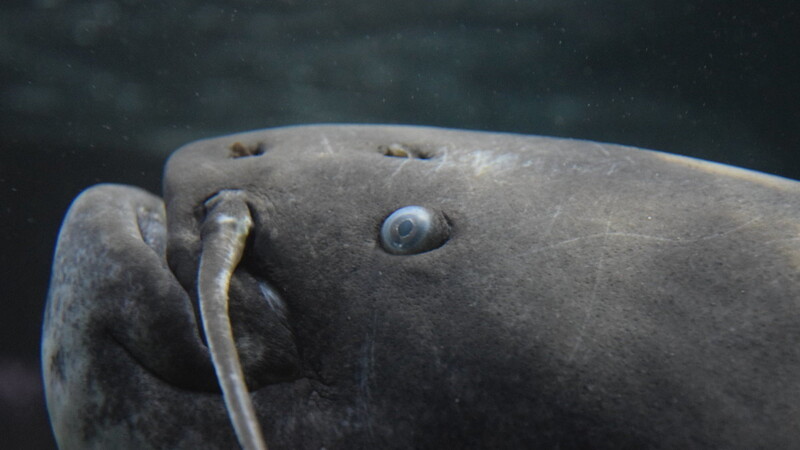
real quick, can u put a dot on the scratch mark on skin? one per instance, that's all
(396, 171)
(484, 161)
(644, 236)
(614, 165)
(327, 144)
(783, 240)
(601, 148)
(592, 295)
(443, 160)
(552, 221)
(604, 235)
(729, 231)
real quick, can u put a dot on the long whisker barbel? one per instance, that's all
(225, 232)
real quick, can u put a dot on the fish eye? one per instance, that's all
(414, 229)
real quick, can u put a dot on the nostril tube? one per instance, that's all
(224, 234)
(239, 150)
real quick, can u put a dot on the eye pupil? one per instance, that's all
(405, 228)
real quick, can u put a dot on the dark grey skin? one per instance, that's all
(589, 296)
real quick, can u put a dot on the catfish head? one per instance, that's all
(407, 287)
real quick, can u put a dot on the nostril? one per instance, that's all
(239, 150)
(398, 150)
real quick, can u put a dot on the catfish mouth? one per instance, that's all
(242, 317)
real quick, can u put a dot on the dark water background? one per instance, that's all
(103, 91)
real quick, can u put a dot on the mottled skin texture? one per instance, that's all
(590, 296)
